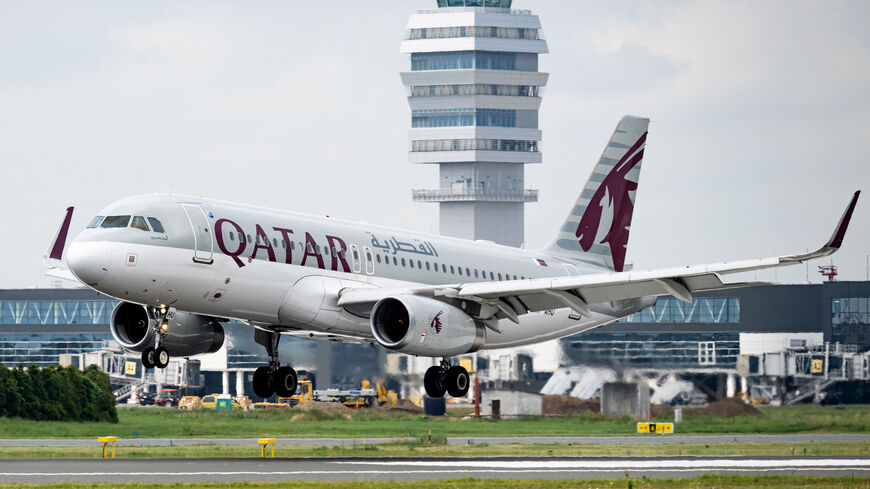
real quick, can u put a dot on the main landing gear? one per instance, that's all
(158, 356)
(443, 378)
(273, 379)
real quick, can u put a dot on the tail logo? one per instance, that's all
(615, 188)
(436, 322)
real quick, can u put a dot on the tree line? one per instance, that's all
(56, 393)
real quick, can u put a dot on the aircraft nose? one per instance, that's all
(89, 261)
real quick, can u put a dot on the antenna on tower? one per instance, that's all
(829, 271)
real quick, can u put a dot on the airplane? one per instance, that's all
(181, 265)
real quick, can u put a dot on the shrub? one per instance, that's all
(56, 394)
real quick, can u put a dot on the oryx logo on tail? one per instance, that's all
(615, 189)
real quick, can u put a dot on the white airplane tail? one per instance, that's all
(596, 230)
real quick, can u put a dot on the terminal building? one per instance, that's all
(474, 89)
(50, 326)
(767, 341)
(765, 336)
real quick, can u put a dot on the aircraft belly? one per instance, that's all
(542, 326)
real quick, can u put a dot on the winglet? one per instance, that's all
(55, 251)
(836, 240)
(840, 232)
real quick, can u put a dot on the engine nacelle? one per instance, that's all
(423, 326)
(188, 334)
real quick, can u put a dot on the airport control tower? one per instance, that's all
(475, 90)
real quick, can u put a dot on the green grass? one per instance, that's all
(705, 482)
(417, 449)
(168, 422)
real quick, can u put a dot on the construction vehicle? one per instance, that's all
(385, 397)
(365, 396)
(304, 393)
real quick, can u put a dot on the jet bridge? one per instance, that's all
(795, 374)
(127, 375)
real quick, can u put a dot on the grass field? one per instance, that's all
(168, 422)
(426, 450)
(705, 482)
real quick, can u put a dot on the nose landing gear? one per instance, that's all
(443, 378)
(158, 356)
(273, 379)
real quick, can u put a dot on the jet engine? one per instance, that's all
(188, 334)
(423, 326)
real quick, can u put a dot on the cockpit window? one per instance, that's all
(96, 222)
(139, 223)
(116, 222)
(155, 225)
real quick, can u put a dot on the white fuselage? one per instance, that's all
(284, 270)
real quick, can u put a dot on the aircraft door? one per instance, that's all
(354, 258)
(203, 244)
(370, 262)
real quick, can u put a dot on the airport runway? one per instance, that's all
(405, 469)
(454, 440)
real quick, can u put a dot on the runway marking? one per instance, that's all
(397, 472)
(627, 464)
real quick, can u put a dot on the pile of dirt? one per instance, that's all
(403, 406)
(661, 411)
(725, 408)
(329, 407)
(562, 404)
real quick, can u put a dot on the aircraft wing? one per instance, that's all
(508, 299)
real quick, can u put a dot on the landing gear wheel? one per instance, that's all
(263, 382)
(284, 379)
(433, 382)
(148, 357)
(161, 358)
(457, 381)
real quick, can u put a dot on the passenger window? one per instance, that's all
(467, 271)
(452, 271)
(444, 268)
(475, 273)
(499, 276)
(427, 266)
(379, 258)
(491, 277)
(232, 236)
(95, 222)
(411, 262)
(419, 264)
(403, 262)
(283, 244)
(292, 245)
(460, 271)
(139, 223)
(395, 262)
(116, 222)
(249, 238)
(155, 225)
(275, 242)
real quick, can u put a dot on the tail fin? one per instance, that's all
(597, 227)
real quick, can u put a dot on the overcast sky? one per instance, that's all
(759, 134)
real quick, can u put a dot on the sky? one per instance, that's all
(759, 133)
